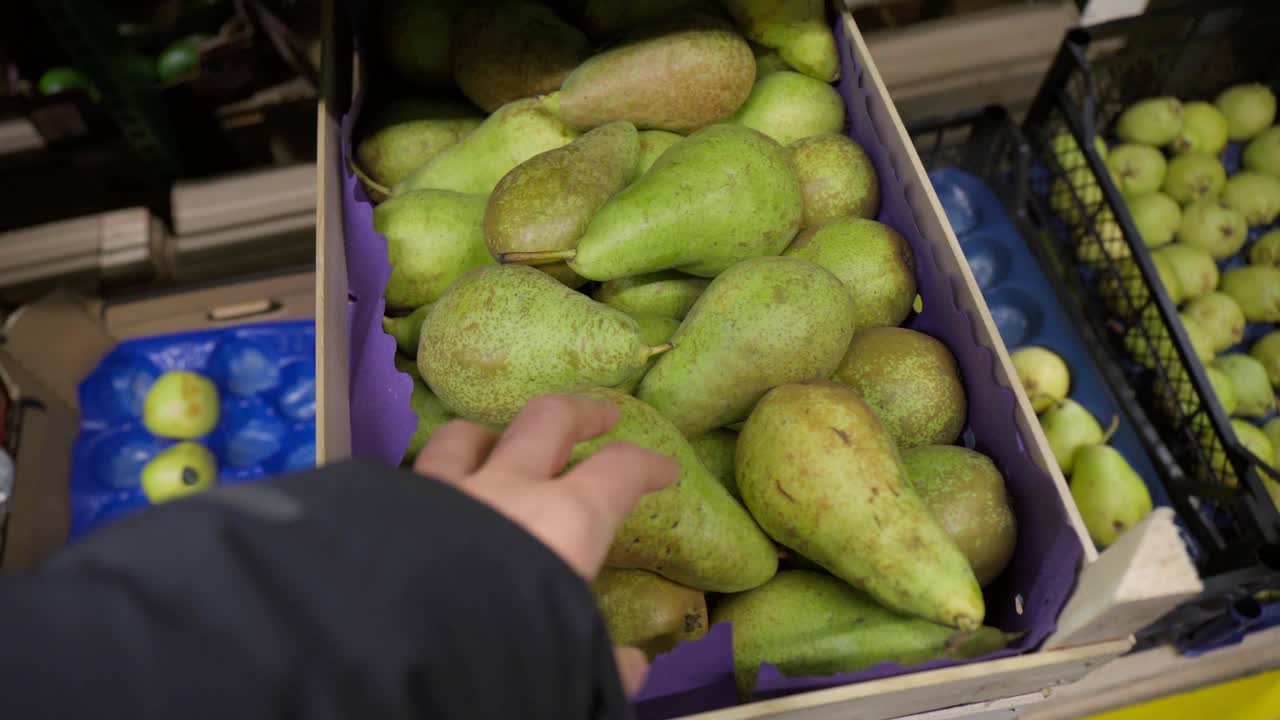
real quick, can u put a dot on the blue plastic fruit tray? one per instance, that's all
(266, 380)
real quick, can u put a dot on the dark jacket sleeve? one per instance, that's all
(354, 591)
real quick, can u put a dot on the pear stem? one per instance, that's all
(1111, 429)
(543, 257)
(657, 350)
(368, 181)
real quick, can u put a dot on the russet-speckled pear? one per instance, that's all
(761, 323)
(797, 28)
(692, 532)
(645, 610)
(433, 236)
(662, 293)
(501, 335)
(821, 476)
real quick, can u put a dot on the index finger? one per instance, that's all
(541, 438)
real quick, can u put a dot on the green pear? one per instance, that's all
(1187, 400)
(1168, 278)
(431, 412)
(1157, 217)
(1076, 196)
(1068, 153)
(1262, 154)
(1139, 168)
(655, 330)
(1271, 429)
(807, 623)
(1215, 226)
(798, 29)
(1255, 195)
(513, 50)
(788, 106)
(1195, 269)
(966, 494)
(1266, 350)
(500, 336)
(1254, 440)
(1155, 121)
(1254, 396)
(882, 361)
(547, 201)
(1069, 427)
(1204, 129)
(181, 470)
(563, 274)
(1249, 108)
(1257, 289)
(647, 611)
(721, 195)
(692, 532)
(666, 293)
(1194, 175)
(514, 133)
(836, 177)
(716, 450)
(1101, 242)
(182, 405)
(679, 75)
(607, 19)
(652, 144)
(1111, 497)
(761, 323)
(433, 237)
(407, 329)
(1266, 250)
(1043, 374)
(409, 132)
(768, 61)
(418, 37)
(1126, 292)
(1220, 317)
(873, 261)
(821, 476)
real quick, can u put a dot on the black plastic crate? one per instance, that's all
(1193, 52)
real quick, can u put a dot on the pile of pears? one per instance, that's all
(657, 204)
(1213, 243)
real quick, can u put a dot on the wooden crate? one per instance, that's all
(1138, 579)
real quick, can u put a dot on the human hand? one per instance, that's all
(519, 475)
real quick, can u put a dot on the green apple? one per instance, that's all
(182, 470)
(1262, 154)
(182, 405)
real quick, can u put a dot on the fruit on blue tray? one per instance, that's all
(1204, 129)
(647, 611)
(1194, 175)
(666, 293)
(809, 623)
(1154, 121)
(418, 38)
(1157, 217)
(409, 132)
(1254, 440)
(1068, 426)
(1043, 374)
(1262, 154)
(1220, 317)
(1249, 108)
(716, 450)
(531, 210)
(761, 323)
(1254, 396)
(501, 335)
(1257, 289)
(1266, 350)
(1255, 195)
(1196, 271)
(882, 361)
(406, 329)
(692, 532)
(182, 405)
(822, 477)
(652, 144)
(655, 330)
(966, 494)
(1266, 250)
(1111, 497)
(873, 261)
(514, 133)
(433, 237)
(681, 74)
(514, 50)
(798, 29)
(788, 106)
(181, 470)
(836, 177)
(1138, 169)
(1214, 226)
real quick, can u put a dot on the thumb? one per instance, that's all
(633, 667)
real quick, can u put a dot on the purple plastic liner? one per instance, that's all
(698, 676)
